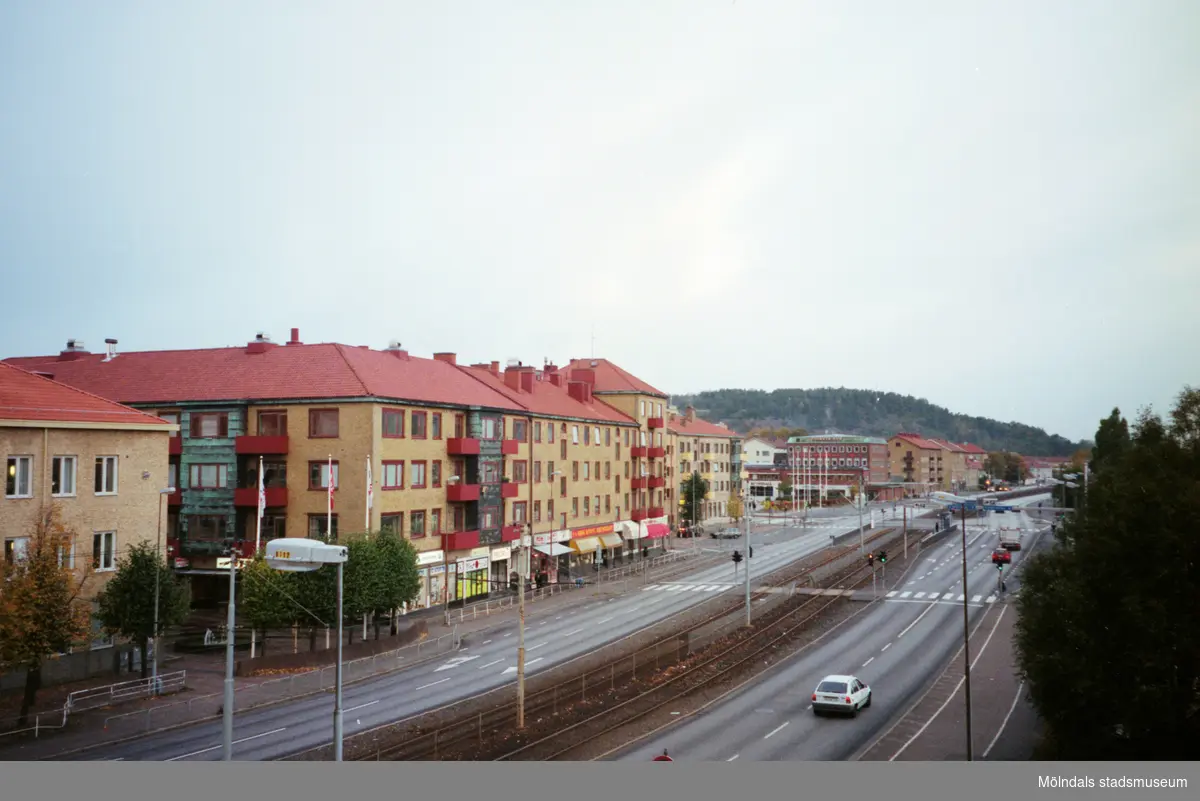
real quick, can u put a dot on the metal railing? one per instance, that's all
(42, 721)
(109, 694)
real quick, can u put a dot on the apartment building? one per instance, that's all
(102, 464)
(829, 465)
(761, 453)
(710, 450)
(918, 461)
(954, 458)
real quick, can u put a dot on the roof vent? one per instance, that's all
(75, 350)
(512, 363)
(295, 340)
(394, 344)
(112, 349)
(260, 344)
(595, 363)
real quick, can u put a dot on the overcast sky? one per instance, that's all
(995, 206)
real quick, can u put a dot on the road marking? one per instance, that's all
(362, 706)
(598, 622)
(489, 664)
(235, 742)
(1004, 723)
(906, 594)
(991, 599)
(455, 662)
(531, 661)
(869, 661)
(947, 596)
(919, 595)
(884, 648)
(976, 599)
(891, 594)
(559, 617)
(423, 686)
(485, 642)
(915, 622)
(960, 598)
(778, 729)
(569, 633)
(544, 622)
(508, 635)
(508, 670)
(735, 756)
(534, 648)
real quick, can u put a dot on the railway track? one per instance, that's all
(444, 740)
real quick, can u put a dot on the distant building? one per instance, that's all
(1042, 468)
(758, 452)
(831, 464)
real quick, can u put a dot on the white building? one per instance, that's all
(759, 453)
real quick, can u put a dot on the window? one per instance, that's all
(550, 511)
(574, 507)
(393, 423)
(170, 417)
(518, 512)
(607, 437)
(173, 475)
(562, 484)
(520, 430)
(65, 551)
(491, 473)
(562, 451)
(608, 469)
(537, 472)
(392, 523)
(420, 422)
(491, 517)
(587, 471)
(549, 472)
(460, 425)
(417, 475)
(597, 473)
(642, 440)
(322, 423)
(104, 550)
(436, 425)
(596, 504)
(208, 476)
(549, 432)
(595, 435)
(15, 549)
(587, 506)
(416, 524)
(62, 476)
(520, 472)
(318, 528)
(627, 470)
(272, 424)
(318, 475)
(537, 511)
(607, 504)
(627, 500)
(435, 521)
(18, 477)
(574, 435)
(587, 435)
(106, 475)
(537, 432)
(574, 471)
(460, 518)
(436, 472)
(642, 408)
(627, 438)
(209, 425)
(492, 428)
(393, 475)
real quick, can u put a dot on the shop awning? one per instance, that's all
(657, 530)
(611, 541)
(553, 549)
(585, 544)
(628, 529)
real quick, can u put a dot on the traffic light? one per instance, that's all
(883, 557)
(1000, 566)
(871, 559)
(737, 557)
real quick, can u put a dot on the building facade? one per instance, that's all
(713, 451)
(832, 465)
(917, 462)
(759, 453)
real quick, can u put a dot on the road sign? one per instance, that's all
(994, 508)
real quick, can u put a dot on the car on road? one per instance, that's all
(727, 534)
(1001, 556)
(839, 694)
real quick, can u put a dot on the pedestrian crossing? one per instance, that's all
(910, 595)
(689, 587)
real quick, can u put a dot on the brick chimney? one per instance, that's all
(74, 350)
(555, 377)
(448, 358)
(260, 344)
(295, 340)
(512, 379)
(494, 369)
(528, 378)
(580, 391)
(586, 375)
(690, 414)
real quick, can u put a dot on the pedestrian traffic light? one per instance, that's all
(737, 557)
(1000, 566)
(871, 559)
(883, 557)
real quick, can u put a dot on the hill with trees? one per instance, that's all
(868, 413)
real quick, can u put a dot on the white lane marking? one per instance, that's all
(869, 661)
(919, 595)
(544, 622)
(1004, 723)
(947, 596)
(455, 662)
(535, 647)
(976, 599)
(960, 598)
(891, 594)
(905, 594)
(485, 642)
(235, 742)
(598, 622)
(778, 728)
(569, 633)
(118, 759)
(698, 588)
(735, 756)
(915, 622)
(362, 706)
(558, 617)
(531, 661)
(508, 635)
(423, 686)
(489, 664)
(991, 599)
(884, 648)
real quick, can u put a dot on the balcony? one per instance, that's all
(462, 540)
(175, 445)
(638, 451)
(175, 498)
(508, 489)
(654, 422)
(657, 481)
(508, 447)
(248, 496)
(462, 493)
(656, 511)
(638, 515)
(657, 453)
(639, 483)
(462, 446)
(265, 446)
(511, 533)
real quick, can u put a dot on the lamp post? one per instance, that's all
(528, 553)
(227, 706)
(745, 503)
(157, 549)
(297, 555)
(966, 627)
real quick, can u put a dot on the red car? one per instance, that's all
(1000, 556)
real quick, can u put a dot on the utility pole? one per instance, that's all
(747, 561)
(157, 571)
(905, 508)
(966, 630)
(862, 539)
(227, 708)
(521, 636)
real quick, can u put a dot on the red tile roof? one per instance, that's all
(547, 399)
(972, 448)
(679, 424)
(918, 441)
(282, 372)
(610, 378)
(28, 397)
(950, 446)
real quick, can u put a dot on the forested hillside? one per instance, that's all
(860, 411)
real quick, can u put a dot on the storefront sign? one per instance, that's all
(538, 539)
(478, 552)
(468, 565)
(500, 554)
(429, 557)
(592, 531)
(223, 563)
(561, 536)
(181, 563)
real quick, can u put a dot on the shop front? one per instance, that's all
(472, 579)
(657, 533)
(441, 588)
(550, 555)
(425, 595)
(499, 559)
(593, 546)
(630, 534)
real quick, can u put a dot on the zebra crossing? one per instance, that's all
(950, 597)
(689, 587)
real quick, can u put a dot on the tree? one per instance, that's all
(1112, 438)
(1006, 466)
(316, 600)
(266, 601)
(42, 611)
(127, 601)
(1106, 629)
(401, 581)
(786, 490)
(733, 508)
(692, 491)
(363, 580)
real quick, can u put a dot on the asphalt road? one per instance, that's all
(487, 660)
(896, 645)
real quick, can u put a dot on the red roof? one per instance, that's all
(25, 396)
(610, 378)
(918, 441)
(698, 428)
(281, 372)
(547, 399)
(972, 448)
(950, 446)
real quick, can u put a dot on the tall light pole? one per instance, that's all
(862, 541)
(157, 550)
(744, 504)
(227, 707)
(966, 628)
(521, 569)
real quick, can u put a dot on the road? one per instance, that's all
(487, 661)
(896, 645)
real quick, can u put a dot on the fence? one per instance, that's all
(42, 721)
(110, 694)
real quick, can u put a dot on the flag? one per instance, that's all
(331, 482)
(262, 491)
(370, 493)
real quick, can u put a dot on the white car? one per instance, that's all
(841, 694)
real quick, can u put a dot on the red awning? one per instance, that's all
(657, 530)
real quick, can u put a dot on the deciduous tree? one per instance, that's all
(401, 582)
(1112, 438)
(266, 598)
(127, 602)
(692, 491)
(733, 508)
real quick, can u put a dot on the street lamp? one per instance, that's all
(157, 549)
(298, 555)
(527, 551)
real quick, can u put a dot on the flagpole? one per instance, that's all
(368, 523)
(261, 502)
(329, 504)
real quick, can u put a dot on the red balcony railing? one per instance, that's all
(638, 515)
(248, 496)
(508, 447)
(175, 498)
(509, 489)
(654, 422)
(638, 451)
(656, 511)
(175, 445)
(511, 533)
(462, 446)
(462, 540)
(657, 481)
(462, 493)
(639, 483)
(267, 446)
(656, 453)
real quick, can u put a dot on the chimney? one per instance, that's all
(112, 349)
(586, 375)
(512, 379)
(295, 340)
(397, 351)
(528, 376)
(448, 358)
(690, 413)
(260, 344)
(580, 391)
(494, 369)
(75, 350)
(556, 378)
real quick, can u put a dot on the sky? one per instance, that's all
(991, 205)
